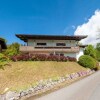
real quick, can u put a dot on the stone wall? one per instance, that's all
(44, 85)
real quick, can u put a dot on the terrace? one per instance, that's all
(48, 49)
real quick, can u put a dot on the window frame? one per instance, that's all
(60, 44)
(41, 44)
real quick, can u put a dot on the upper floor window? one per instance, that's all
(60, 44)
(41, 44)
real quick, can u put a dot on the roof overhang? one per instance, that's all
(25, 37)
(82, 46)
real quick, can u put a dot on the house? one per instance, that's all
(2, 44)
(52, 45)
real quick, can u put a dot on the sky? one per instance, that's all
(49, 17)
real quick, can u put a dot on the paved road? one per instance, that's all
(85, 89)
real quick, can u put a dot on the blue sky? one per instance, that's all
(59, 17)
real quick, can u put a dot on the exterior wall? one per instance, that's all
(70, 54)
(80, 53)
(76, 55)
(31, 43)
(51, 43)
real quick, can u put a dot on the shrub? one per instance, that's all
(98, 55)
(12, 49)
(98, 46)
(41, 57)
(3, 57)
(89, 50)
(87, 61)
(3, 60)
(71, 58)
(53, 58)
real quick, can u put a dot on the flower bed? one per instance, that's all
(41, 57)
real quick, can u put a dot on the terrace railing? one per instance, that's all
(48, 49)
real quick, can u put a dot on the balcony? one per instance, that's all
(48, 49)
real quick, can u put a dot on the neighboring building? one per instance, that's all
(2, 44)
(51, 44)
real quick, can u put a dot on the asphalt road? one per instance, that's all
(85, 89)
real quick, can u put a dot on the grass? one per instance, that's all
(22, 75)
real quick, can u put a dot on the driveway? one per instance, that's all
(85, 89)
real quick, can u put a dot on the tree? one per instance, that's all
(98, 46)
(3, 60)
(12, 49)
(98, 51)
(90, 51)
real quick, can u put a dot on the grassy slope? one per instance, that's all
(21, 75)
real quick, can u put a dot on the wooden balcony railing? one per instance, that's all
(48, 49)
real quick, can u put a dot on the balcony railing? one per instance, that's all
(48, 49)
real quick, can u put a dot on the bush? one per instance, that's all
(98, 55)
(98, 46)
(3, 57)
(87, 61)
(3, 60)
(41, 57)
(12, 50)
(89, 50)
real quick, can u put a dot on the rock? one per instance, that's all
(23, 93)
(71, 76)
(80, 74)
(2, 97)
(36, 89)
(12, 95)
(41, 86)
(49, 85)
(31, 90)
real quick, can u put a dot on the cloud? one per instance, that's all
(90, 28)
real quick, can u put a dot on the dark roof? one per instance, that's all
(25, 37)
(3, 44)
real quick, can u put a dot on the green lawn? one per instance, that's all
(21, 75)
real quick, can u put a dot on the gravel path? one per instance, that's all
(85, 89)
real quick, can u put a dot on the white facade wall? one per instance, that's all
(70, 54)
(80, 53)
(51, 43)
(31, 42)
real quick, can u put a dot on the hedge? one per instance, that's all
(87, 61)
(41, 57)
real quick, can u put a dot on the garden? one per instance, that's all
(21, 72)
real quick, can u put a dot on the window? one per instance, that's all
(60, 44)
(41, 44)
(61, 54)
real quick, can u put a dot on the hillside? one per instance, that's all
(21, 75)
